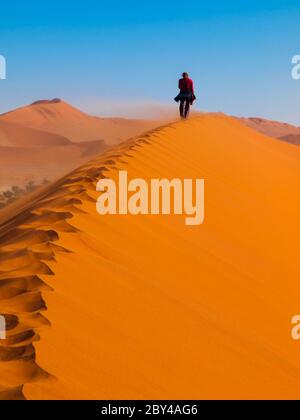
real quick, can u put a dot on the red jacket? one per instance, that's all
(186, 85)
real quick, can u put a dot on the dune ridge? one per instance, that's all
(145, 307)
(27, 244)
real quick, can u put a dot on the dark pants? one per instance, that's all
(184, 108)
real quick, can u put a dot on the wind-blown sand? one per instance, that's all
(144, 306)
(49, 138)
(59, 117)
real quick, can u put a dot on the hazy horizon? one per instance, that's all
(142, 109)
(132, 54)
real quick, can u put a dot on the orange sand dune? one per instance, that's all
(137, 307)
(12, 135)
(56, 116)
(49, 138)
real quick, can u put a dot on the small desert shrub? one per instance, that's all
(15, 192)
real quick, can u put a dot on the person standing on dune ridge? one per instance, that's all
(186, 96)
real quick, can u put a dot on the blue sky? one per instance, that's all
(105, 56)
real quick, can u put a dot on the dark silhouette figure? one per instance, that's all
(186, 96)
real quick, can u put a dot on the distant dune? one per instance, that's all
(144, 307)
(291, 138)
(12, 135)
(57, 116)
(280, 130)
(49, 138)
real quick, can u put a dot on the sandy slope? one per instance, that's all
(57, 116)
(146, 307)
